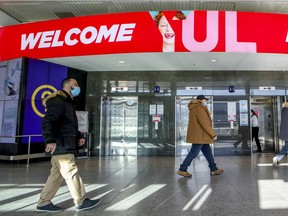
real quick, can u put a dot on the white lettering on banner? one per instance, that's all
(287, 38)
(68, 40)
(31, 41)
(124, 30)
(87, 30)
(232, 45)
(212, 33)
(104, 32)
(46, 39)
(90, 34)
(212, 36)
(56, 41)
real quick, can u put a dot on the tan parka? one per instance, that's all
(199, 129)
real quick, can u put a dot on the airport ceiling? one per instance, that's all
(32, 11)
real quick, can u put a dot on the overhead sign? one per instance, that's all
(231, 111)
(119, 89)
(154, 31)
(267, 88)
(194, 88)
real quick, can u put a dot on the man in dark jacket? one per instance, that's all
(62, 138)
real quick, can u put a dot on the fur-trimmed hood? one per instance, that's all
(54, 94)
(194, 103)
(285, 104)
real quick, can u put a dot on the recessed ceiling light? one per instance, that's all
(213, 60)
(121, 62)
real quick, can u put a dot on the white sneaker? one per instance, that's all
(275, 162)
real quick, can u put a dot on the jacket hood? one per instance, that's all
(54, 94)
(285, 104)
(194, 103)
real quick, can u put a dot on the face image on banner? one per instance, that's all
(163, 22)
(12, 81)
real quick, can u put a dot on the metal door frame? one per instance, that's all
(276, 114)
(105, 123)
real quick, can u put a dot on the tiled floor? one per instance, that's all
(150, 186)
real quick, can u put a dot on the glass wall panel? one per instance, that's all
(119, 126)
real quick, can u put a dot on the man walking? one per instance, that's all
(61, 135)
(201, 134)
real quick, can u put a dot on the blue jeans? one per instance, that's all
(193, 153)
(283, 151)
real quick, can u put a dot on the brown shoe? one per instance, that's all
(185, 174)
(217, 172)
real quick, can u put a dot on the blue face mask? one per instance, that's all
(75, 91)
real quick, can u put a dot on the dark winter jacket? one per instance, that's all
(60, 124)
(284, 122)
(199, 129)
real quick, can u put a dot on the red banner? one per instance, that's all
(168, 31)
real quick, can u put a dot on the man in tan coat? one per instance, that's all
(200, 133)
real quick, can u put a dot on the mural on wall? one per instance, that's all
(3, 73)
(10, 76)
(43, 78)
(12, 82)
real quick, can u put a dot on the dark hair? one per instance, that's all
(65, 81)
(254, 113)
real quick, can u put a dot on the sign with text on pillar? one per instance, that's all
(152, 109)
(160, 109)
(243, 108)
(156, 118)
(243, 119)
(231, 111)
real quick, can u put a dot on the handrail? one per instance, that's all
(17, 136)
(29, 143)
(37, 135)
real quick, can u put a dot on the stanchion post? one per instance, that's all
(88, 144)
(28, 157)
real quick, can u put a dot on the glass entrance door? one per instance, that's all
(119, 126)
(268, 109)
(231, 122)
(156, 126)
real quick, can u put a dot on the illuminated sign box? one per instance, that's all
(119, 89)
